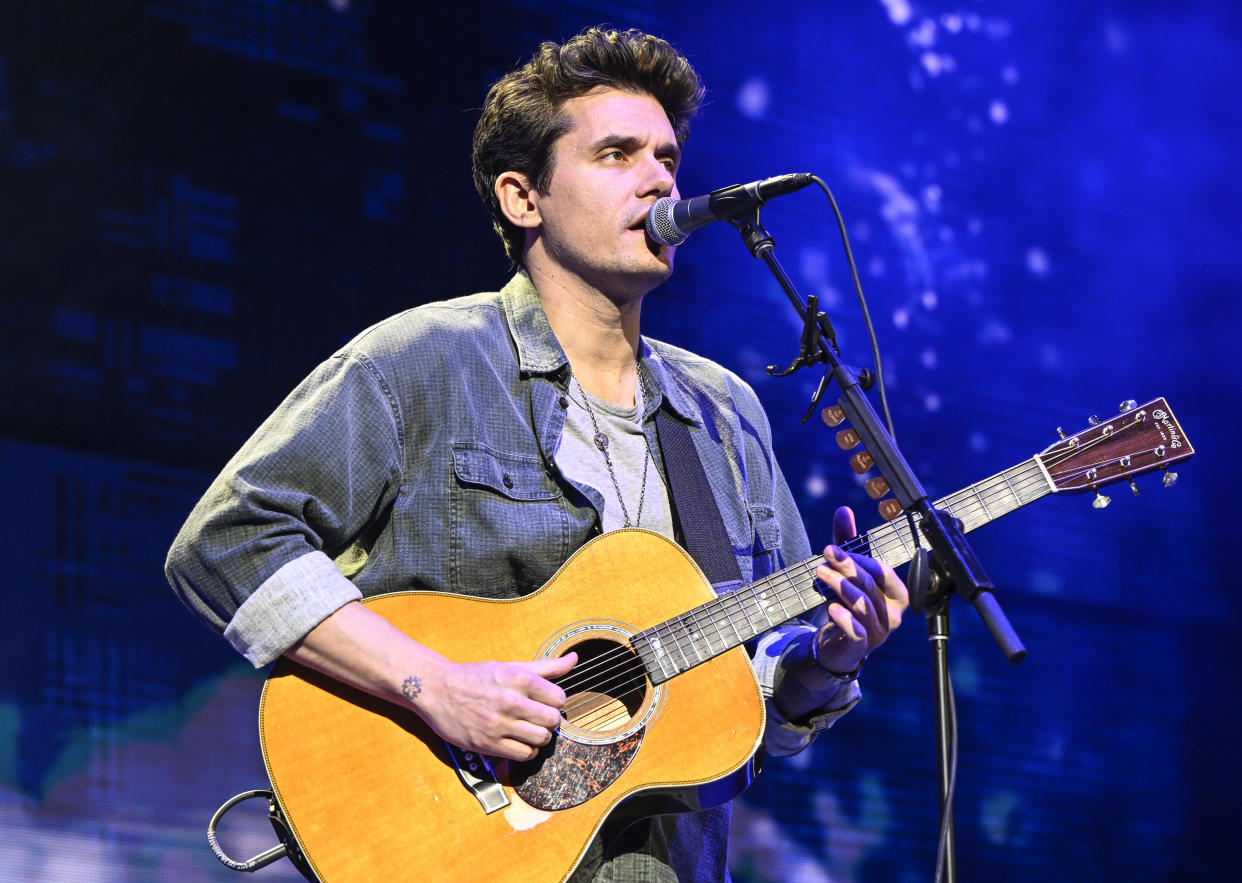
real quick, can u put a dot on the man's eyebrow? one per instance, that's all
(633, 142)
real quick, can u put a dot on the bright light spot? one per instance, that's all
(876, 268)
(898, 11)
(1009, 73)
(977, 442)
(828, 296)
(930, 299)
(1037, 261)
(816, 487)
(931, 402)
(974, 226)
(998, 112)
(931, 197)
(901, 317)
(814, 262)
(932, 63)
(924, 36)
(928, 358)
(951, 22)
(753, 97)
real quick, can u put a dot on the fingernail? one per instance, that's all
(835, 553)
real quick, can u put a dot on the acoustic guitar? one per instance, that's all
(664, 712)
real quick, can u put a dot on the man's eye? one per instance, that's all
(615, 155)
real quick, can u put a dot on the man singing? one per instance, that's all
(472, 445)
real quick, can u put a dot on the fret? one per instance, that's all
(686, 621)
(669, 648)
(982, 502)
(723, 603)
(1017, 498)
(755, 607)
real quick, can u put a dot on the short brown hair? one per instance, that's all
(522, 114)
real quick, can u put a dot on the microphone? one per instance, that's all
(670, 220)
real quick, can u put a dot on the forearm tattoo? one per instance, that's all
(411, 687)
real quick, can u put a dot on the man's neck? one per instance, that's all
(598, 332)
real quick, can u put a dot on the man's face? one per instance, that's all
(619, 156)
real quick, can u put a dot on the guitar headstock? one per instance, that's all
(1140, 439)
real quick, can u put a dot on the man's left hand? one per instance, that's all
(870, 599)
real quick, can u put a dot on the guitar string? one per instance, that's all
(734, 600)
(733, 603)
(730, 604)
(725, 602)
(694, 617)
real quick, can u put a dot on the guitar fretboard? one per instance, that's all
(732, 619)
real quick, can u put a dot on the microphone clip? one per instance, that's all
(810, 348)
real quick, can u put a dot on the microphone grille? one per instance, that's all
(660, 226)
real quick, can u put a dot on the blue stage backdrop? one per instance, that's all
(200, 199)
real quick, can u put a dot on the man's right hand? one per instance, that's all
(504, 709)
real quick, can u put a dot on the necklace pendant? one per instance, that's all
(601, 441)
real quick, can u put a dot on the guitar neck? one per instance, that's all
(732, 619)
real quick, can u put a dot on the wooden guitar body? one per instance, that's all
(371, 793)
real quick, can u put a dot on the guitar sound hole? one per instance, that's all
(606, 688)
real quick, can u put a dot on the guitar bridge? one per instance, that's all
(479, 778)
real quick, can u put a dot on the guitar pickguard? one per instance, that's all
(568, 773)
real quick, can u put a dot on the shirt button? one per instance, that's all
(507, 482)
(563, 402)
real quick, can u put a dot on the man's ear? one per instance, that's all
(517, 200)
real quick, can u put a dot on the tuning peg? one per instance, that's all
(1100, 501)
(1061, 432)
(876, 487)
(847, 438)
(889, 509)
(1170, 478)
(1134, 487)
(1127, 405)
(1093, 420)
(861, 462)
(833, 415)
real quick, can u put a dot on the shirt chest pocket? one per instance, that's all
(766, 548)
(509, 525)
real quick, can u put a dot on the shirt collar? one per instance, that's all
(537, 347)
(539, 352)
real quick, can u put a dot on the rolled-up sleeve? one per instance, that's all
(254, 559)
(783, 737)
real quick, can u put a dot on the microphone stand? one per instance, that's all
(950, 566)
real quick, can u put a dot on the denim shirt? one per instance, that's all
(421, 457)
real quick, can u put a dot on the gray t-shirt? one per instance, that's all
(642, 494)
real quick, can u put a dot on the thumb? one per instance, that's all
(843, 526)
(553, 668)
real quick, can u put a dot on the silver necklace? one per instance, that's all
(601, 444)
